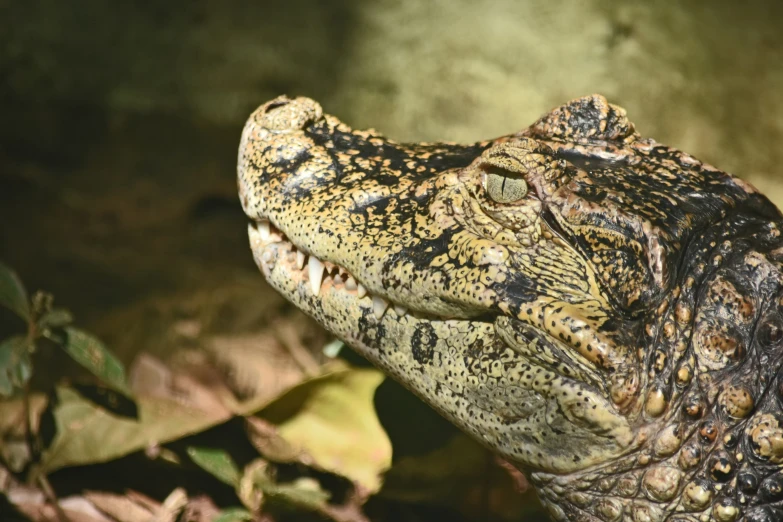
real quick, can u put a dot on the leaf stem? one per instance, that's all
(30, 438)
(51, 496)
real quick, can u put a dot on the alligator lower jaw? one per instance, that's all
(271, 247)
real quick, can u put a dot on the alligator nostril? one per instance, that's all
(285, 114)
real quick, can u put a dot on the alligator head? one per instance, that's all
(600, 310)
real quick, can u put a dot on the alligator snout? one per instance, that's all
(286, 114)
(273, 136)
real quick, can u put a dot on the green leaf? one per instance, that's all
(303, 492)
(12, 293)
(217, 463)
(6, 387)
(93, 355)
(16, 368)
(56, 318)
(330, 422)
(235, 514)
(88, 434)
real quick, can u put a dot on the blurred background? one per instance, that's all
(121, 120)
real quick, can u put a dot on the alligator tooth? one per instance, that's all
(361, 291)
(379, 306)
(316, 269)
(400, 310)
(300, 259)
(338, 279)
(264, 228)
(350, 283)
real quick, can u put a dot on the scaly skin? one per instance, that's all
(600, 310)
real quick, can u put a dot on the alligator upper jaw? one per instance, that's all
(280, 259)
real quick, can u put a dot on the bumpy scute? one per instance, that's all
(603, 311)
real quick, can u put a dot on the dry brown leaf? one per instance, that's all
(34, 505)
(14, 449)
(120, 507)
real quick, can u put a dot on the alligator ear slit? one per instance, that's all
(590, 118)
(277, 102)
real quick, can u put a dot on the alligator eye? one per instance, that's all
(504, 187)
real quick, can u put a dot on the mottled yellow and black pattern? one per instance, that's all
(603, 311)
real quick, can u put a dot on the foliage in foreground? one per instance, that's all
(314, 448)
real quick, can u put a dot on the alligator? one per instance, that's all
(600, 310)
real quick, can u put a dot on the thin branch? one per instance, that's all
(51, 496)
